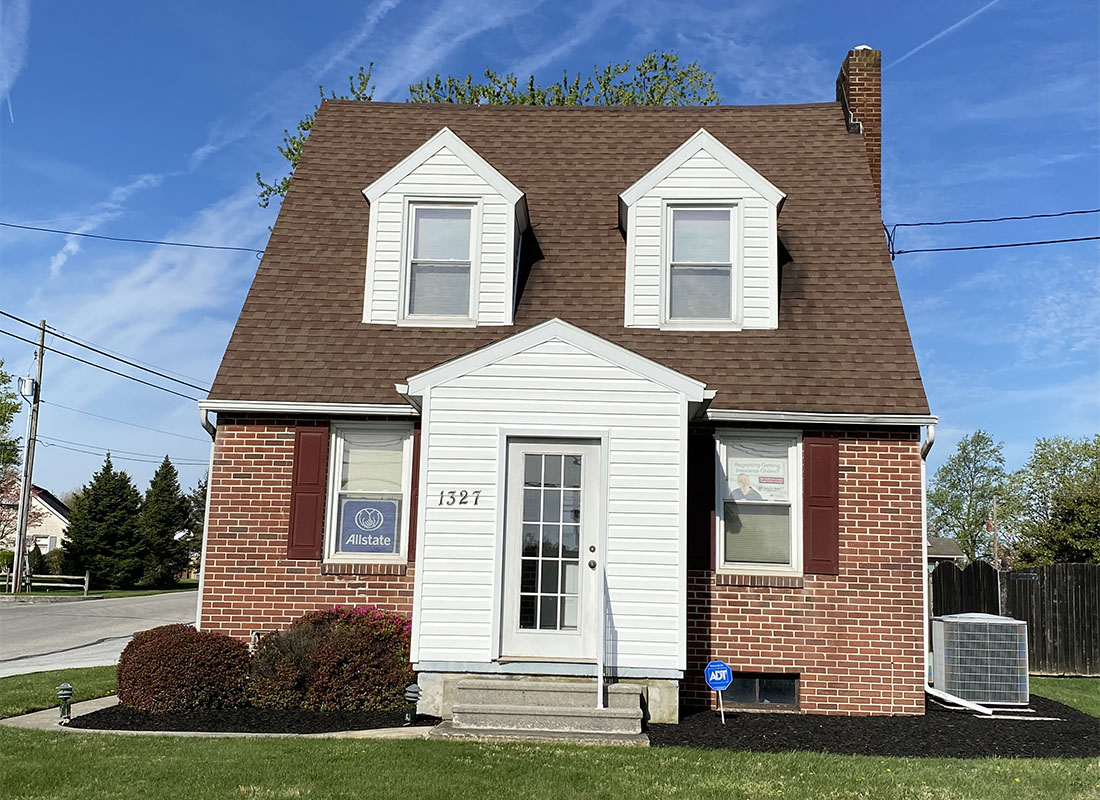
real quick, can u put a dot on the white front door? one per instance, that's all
(551, 550)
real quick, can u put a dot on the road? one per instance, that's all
(91, 633)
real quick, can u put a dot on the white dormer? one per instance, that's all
(443, 239)
(702, 251)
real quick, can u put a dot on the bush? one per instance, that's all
(343, 659)
(55, 561)
(7, 559)
(177, 668)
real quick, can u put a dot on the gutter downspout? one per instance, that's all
(210, 428)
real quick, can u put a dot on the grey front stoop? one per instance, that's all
(544, 707)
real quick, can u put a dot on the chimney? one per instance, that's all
(859, 90)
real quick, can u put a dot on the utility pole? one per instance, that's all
(28, 464)
(996, 543)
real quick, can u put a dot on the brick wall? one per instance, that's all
(859, 87)
(856, 639)
(249, 583)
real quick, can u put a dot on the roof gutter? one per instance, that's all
(819, 418)
(280, 407)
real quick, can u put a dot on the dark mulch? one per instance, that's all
(939, 733)
(243, 720)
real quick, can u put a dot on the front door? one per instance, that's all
(551, 550)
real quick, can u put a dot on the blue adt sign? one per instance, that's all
(718, 675)
(368, 526)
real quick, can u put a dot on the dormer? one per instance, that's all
(443, 239)
(702, 250)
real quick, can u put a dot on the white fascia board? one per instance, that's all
(558, 329)
(449, 139)
(279, 407)
(819, 418)
(702, 140)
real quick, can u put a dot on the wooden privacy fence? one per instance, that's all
(1059, 602)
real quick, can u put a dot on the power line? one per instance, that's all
(124, 422)
(993, 246)
(108, 355)
(52, 331)
(133, 240)
(120, 458)
(100, 366)
(176, 459)
(996, 219)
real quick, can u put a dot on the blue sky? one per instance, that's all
(151, 120)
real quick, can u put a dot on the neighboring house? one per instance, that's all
(585, 391)
(943, 548)
(50, 532)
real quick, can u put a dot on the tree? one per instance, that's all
(9, 407)
(961, 497)
(196, 516)
(657, 80)
(1057, 493)
(103, 529)
(163, 517)
(36, 562)
(9, 507)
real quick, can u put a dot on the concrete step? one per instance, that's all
(487, 716)
(447, 730)
(556, 694)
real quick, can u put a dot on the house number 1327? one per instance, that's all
(459, 497)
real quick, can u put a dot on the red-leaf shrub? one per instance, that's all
(343, 659)
(177, 668)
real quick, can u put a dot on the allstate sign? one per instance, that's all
(718, 675)
(368, 526)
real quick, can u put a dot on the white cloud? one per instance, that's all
(946, 31)
(586, 26)
(15, 23)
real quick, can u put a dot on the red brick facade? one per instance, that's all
(249, 583)
(856, 640)
(859, 87)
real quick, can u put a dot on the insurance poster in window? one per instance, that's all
(756, 478)
(368, 526)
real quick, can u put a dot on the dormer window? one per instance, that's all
(701, 271)
(440, 265)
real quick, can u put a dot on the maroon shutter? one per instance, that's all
(700, 501)
(414, 493)
(821, 506)
(308, 493)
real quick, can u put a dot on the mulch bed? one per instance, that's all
(939, 733)
(243, 720)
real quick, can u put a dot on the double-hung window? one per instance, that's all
(759, 502)
(439, 268)
(701, 269)
(369, 489)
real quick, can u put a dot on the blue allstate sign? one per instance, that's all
(368, 526)
(718, 675)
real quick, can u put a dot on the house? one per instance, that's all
(944, 548)
(590, 393)
(49, 521)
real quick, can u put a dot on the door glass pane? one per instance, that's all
(701, 235)
(441, 233)
(530, 540)
(570, 506)
(439, 290)
(700, 293)
(551, 475)
(569, 613)
(549, 577)
(532, 470)
(758, 534)
(528, 576)
(551, 534)
(551, 505)
(532, 502)
(548, 612)
(572, 477)
(570, 541)
(527, 611)
(570, 571)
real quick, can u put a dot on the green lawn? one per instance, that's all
(1081, 693)
(86, 766)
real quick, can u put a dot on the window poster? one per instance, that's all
(758, 475)
(369, 526)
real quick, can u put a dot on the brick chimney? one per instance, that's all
(859, 90)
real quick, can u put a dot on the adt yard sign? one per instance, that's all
(718, 675)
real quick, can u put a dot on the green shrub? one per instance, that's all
(7, 559)
(177, 668)
(343, 659)
(55, 561)
(36, 562)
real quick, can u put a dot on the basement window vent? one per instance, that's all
(762, 690)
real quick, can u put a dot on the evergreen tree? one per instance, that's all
(103, 529)
(196, 516)
(36, 562)
(164, 515)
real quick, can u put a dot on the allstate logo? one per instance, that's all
(369, 519)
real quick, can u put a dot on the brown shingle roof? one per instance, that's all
(842, 344)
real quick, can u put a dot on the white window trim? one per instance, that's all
(721, 481)
(336, 458)
(409, 203)
(737, 226)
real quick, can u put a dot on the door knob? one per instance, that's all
(592, 564)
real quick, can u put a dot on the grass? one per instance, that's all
(22, 694)
(1080, 693)
(87, 766)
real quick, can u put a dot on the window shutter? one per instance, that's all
(700, 502)
(821, 506)
(414, 493)
(308, 493)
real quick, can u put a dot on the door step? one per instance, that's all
(447, 730)
(545, 706)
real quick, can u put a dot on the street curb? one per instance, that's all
(28, 600)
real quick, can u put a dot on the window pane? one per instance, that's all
(572, 479)
(551, 535)
(758, 534)
(527, 611)
(369, 526)
(757, 470)
(779, 690)
(441, 233)
(548, 613)
(439, 290)
(528, 576)
(742, 690)
(551, 475)
(372, 462)
(549, 583)
(532, 470)
(701, 235)
(530, 540)
(700, 293)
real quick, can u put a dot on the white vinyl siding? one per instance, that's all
(442, 177)
(553, 388)
(702, 179)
